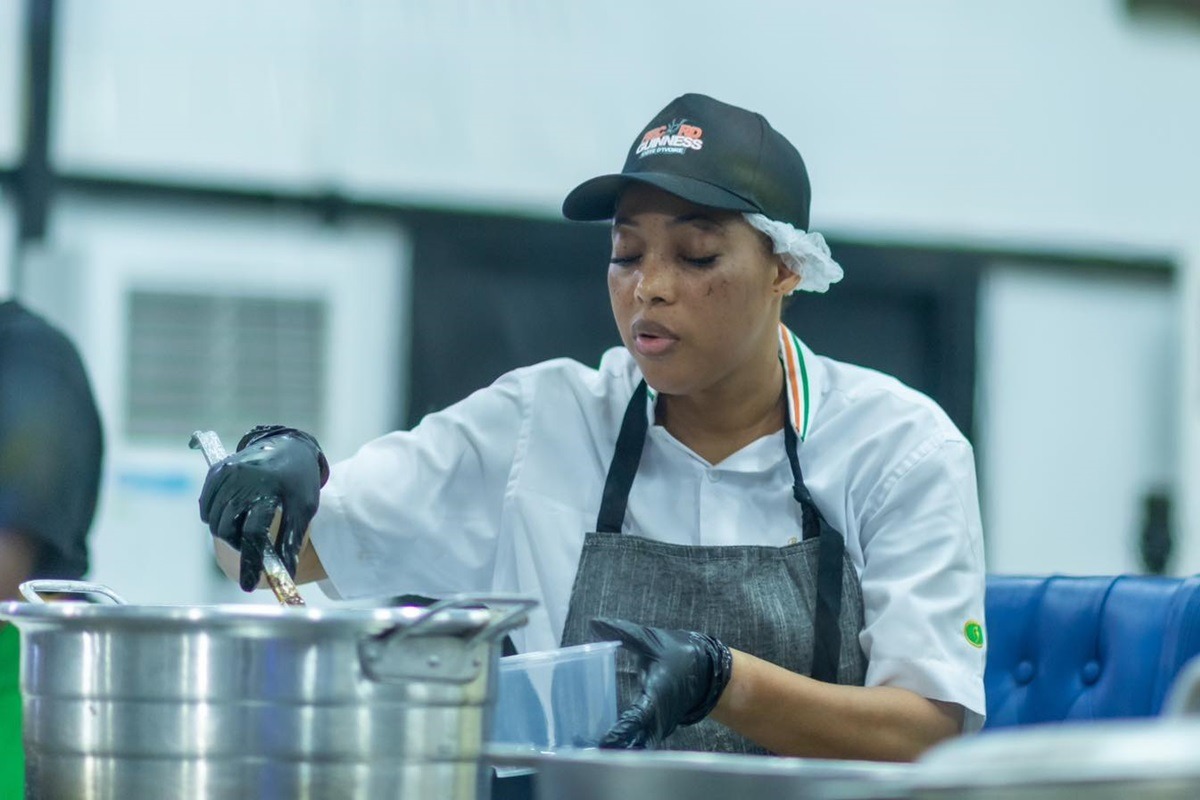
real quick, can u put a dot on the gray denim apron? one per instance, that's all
(798, 606)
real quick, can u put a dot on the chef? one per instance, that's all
(788, 546)
(51, 448)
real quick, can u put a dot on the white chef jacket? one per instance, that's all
(496, 492)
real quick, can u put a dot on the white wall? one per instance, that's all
(215, 91)
(1189, 417)
(1078, 419)
(12, 62)
(1058, 121)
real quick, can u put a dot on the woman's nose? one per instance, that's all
(655, 282)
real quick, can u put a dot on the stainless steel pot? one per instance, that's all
(673, 775)
(125, 701)
(1183, 699)
(1143, 759)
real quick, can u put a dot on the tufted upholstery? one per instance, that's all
(1072, 648)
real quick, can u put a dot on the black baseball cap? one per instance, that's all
(712, 154)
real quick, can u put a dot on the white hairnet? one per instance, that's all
(805, 254)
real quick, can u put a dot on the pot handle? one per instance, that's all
(506, 621)
(33, 590)
(456, 661)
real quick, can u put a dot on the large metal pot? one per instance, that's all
(672, 775)
(1143, 759)
(125, 701)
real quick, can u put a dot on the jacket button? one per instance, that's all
(1024, 672)
(1090, 673)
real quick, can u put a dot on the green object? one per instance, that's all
(974, 633)
(12, 754)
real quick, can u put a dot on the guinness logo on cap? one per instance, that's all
(677, 137)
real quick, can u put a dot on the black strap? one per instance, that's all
(827, 644)
(827, 647)
(626, 457)
(809, 515)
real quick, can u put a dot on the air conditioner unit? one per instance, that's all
(190, 317)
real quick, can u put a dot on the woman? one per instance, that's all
(790, 545)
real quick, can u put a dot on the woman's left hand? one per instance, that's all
(683, 674)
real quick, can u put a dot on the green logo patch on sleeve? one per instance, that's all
(974, 633)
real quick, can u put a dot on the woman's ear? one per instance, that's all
(786, 281)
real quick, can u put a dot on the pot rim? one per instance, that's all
(87, 616)
(462, 615)
(688, 761)
(1141, 751)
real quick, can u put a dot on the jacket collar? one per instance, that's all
(801, 373)
(797, 362)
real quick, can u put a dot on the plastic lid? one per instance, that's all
(561, 654)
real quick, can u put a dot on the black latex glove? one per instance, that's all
(274, 466)
(683, 674)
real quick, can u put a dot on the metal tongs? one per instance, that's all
(278, 579)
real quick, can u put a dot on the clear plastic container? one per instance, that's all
(557, 698)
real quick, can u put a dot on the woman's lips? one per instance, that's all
(653, 339)
(649, 345)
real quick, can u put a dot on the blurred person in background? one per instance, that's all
(789, 546)
(50, 452)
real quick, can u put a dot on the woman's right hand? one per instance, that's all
(682, 674)
(274, 467)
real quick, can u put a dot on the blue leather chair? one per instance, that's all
(1079, 648)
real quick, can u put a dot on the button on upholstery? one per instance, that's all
(1023, 672)
(1090, 673)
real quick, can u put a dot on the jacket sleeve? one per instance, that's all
(419, 511)
(923, 580)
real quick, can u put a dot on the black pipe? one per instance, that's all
(33, 175)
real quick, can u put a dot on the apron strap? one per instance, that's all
(827, 644)
(809, 514)
(626, 457)
(827, 641)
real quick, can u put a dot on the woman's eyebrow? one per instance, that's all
(698, 219)
(703, 221)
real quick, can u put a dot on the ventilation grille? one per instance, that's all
(224, 363)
